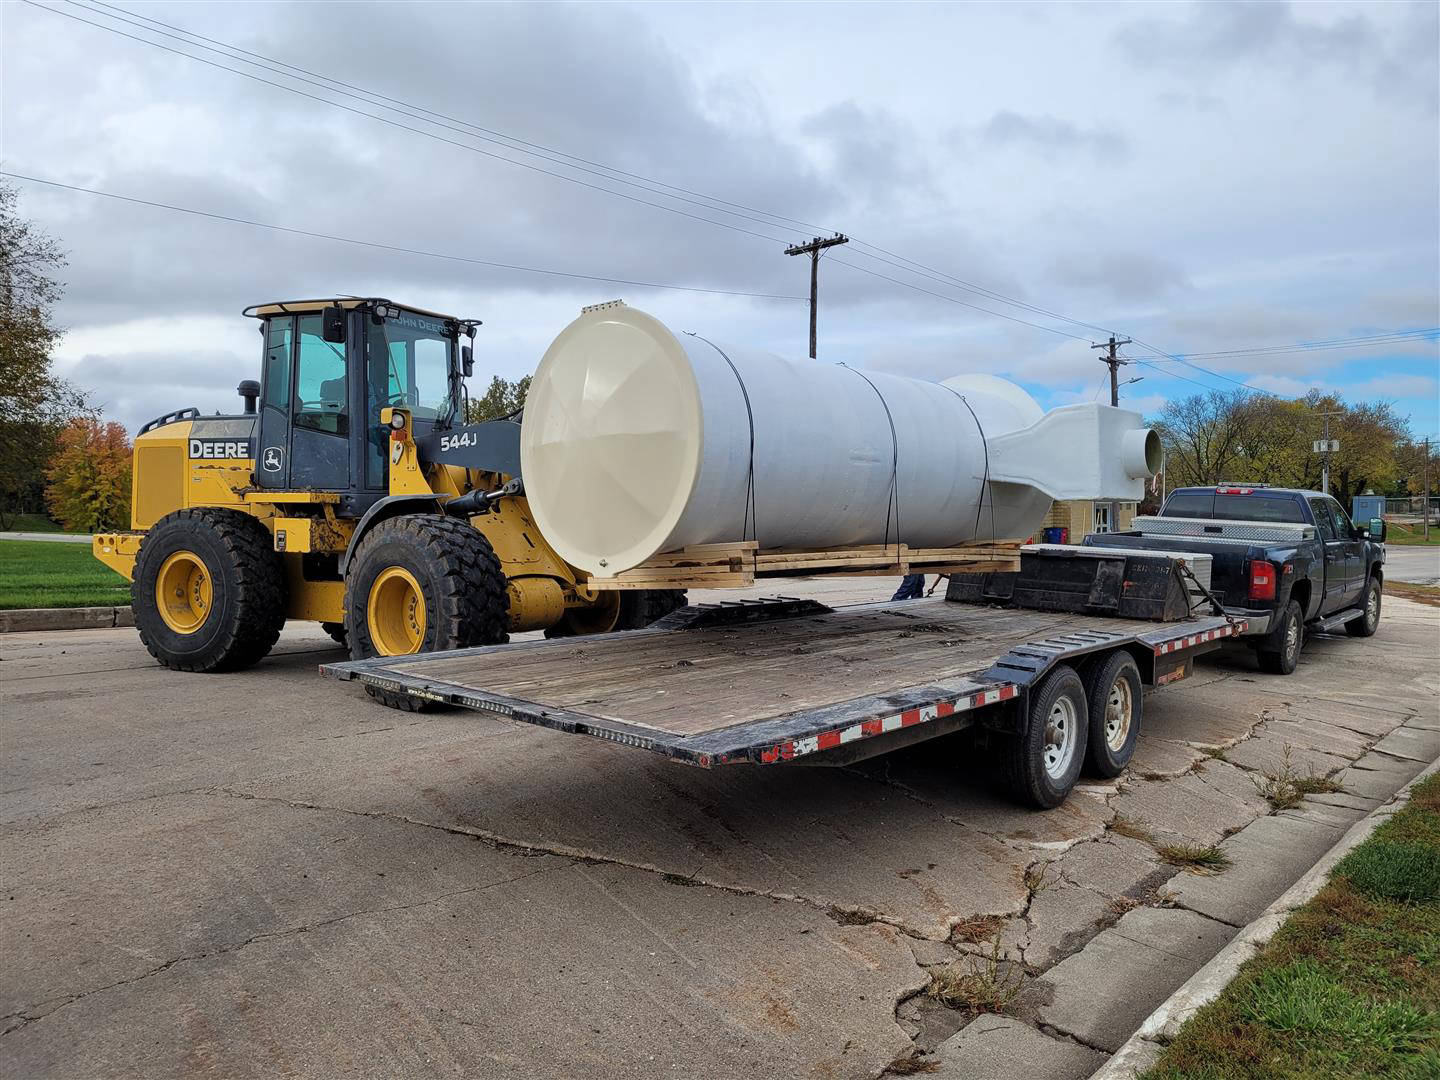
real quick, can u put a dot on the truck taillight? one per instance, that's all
(1234, 491)
(1262, 580)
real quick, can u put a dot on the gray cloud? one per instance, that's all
(1120, 274)
(1052, 136)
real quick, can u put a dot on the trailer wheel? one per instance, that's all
(1369, 620)
(209, 590)
(630, 609)
(423, 583)
(1042, 763)
(1113, 693)
(1279, 651)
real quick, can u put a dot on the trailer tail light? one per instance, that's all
(1262, 580)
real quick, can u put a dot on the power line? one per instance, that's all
(391, 247)
(406, 127)
(476, 131)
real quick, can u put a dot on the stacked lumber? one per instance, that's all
(736, 565)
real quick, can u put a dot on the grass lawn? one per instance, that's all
(1426, 594)
(40, 573)
(34, 523)
(1350, 986)
(1411, 536)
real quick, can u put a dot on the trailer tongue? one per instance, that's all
(792, 680)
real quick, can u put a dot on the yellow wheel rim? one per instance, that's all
(395, 612)
(183, 592)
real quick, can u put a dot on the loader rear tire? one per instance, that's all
(630, 609)
(209, 591)
(423, 583)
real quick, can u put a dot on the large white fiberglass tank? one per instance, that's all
(638, 440)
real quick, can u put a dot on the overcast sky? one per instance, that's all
(1202, 178)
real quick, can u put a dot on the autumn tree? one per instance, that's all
(34, 404)
(1253, 438)
(502, 399)
(89, 477)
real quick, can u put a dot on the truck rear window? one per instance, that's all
(1205, 504)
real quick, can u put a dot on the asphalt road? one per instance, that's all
(267, 874)
(1416, 564)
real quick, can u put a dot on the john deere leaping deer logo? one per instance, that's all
(274, 459)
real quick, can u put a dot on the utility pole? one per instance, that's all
(1114, 361)
(1425, 506)
(1325, 447)
(813, 249)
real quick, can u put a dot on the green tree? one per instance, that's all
(500, 400)
(89, 488)
(34, 404)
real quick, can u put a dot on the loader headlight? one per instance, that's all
(397, 421)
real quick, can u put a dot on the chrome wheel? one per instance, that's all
(1372, 607)
(1060, 736)
(1119, 708)
(1292, 637)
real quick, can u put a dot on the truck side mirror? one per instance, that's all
(334, 324)
(1377, 529)
(467, 361)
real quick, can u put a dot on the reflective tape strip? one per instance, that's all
(828, 740)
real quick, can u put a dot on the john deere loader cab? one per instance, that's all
(351, 493)
(330, 371)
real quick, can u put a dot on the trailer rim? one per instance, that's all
(1060, 728)
(1119, 714)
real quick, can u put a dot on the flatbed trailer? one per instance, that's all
(787, 680)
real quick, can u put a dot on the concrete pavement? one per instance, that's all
(266, 873)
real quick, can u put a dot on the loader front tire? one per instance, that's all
(209, 591)
(423, 583)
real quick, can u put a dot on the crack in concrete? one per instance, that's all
(845, 916)
(26, 1018)
(43, 820)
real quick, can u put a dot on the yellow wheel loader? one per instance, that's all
(350, 492)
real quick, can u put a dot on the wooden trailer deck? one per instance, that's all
(745, 681)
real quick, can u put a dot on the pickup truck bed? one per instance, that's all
(772, 681)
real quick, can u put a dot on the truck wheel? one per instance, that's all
(1113, 694)
(1041, 764)
(629, 609)
(336, 630)
(1369, 620)
(423, 583)
(209, 591)
(1279, 651)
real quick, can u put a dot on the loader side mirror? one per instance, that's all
(467, 361)
(334, 324)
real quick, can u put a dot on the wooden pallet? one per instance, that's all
(736, 565)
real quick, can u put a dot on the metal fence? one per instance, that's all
(1412, 508)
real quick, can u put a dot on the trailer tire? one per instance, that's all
(215, 574)
(1369, 620)
(1041, 764)
(1279, 651)
(1114, 694)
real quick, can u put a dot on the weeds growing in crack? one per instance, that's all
(1214, 753)
(977, 928)
(1123, 826)
(1162, 898)
(984, 984)
(911, 1064)
(1285, 788)
(1037, 879)
(1121, 904)
(1208, 859)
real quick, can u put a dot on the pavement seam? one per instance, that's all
(26, 1019)
(836, 912)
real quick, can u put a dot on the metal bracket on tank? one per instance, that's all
(602, 307)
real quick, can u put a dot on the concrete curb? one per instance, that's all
(1161, 1026)
(20, 620)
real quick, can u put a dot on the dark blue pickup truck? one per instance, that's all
(1288, 561)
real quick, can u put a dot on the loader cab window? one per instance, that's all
(277, 363)
(321, 403)
(408, 365)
